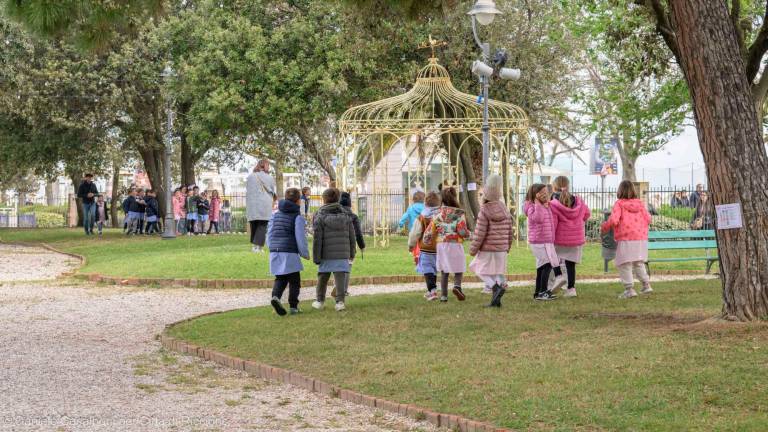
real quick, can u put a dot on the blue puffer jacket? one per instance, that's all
(283, 234)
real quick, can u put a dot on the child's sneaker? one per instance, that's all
(487, 290)
(544, 296)
(295, 311)
(459, 293)
(646, 290)
(431, 296)
(278, 307)
(317, 305)
(560, 282)
(628, 294)
(443, 299)
(570, 292)
(340, 306)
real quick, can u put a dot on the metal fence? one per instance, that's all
(670, 207)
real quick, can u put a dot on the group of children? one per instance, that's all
(336, 237)
(141, 212)
(556, 236)
(192, 209)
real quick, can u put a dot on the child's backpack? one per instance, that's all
(428, 234)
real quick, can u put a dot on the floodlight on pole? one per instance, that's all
(484, 11)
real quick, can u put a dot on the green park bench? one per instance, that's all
(680, 240)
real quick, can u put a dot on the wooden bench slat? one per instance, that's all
(712, 258)
(682, 234)
(683, 244)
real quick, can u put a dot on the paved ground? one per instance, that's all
(78, 356)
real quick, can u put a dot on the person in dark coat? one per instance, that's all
(333, 249)
(287, 243)
(151, 211)
(87, 192)
(704, 216)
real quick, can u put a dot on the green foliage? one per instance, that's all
(683, 214)
(91, 24)
(638, 94)
(42, 208)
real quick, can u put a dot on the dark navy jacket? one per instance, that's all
(152, 209)
(283, 234)
(127, 203)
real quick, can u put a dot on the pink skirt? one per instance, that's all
(544, 253)
(631, 251)
(451, 258)
(489, 263)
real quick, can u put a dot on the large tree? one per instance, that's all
(708, 41)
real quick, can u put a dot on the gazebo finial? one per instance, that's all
(433, 44)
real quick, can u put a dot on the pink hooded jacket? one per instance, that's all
(541, 223)
(178, 206)
(569, 222)
(629, 220)
(215, 209)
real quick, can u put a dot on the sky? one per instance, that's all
(679, 163)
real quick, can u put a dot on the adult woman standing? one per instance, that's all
(704, 216)
(260, 194)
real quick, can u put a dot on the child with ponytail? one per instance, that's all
(570, 215)
(541, 238)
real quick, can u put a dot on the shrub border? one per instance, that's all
(280, 375)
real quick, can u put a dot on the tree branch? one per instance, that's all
(757, 49)
(664, 26)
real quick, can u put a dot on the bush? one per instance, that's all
(48, 220)
(683, 214)
(41, 208)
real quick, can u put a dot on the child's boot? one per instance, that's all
(317, 305)
(646, 288)
(275, 302)
(459, 293)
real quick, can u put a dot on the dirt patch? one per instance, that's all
(652, 319)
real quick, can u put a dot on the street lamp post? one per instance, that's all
(484, 12)
(170, 227)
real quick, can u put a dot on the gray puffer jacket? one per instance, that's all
(334, 236)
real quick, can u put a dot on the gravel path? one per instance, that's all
(80, 357)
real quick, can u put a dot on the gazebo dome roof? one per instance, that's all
(432, 104)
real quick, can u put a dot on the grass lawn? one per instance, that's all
(590, 363)
(230, 257)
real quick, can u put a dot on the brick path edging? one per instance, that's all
(275, 374)
(365, 280)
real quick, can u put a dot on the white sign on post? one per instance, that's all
(471, 186)
(728, 216)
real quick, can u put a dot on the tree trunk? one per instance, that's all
(116, 201)
(50, 196)
(628, 158)
(732, 145)
(187, 162)
(279, 180)
(21, 198)
(152, 155)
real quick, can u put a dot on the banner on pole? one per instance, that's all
(604, 157)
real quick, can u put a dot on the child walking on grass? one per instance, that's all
(179, 214)
(450, 227)
(413, 211)
(287, 243)
(214, 212)
(630, 220)
(426, 261)
(152, 211)
(203, 206)
(492, 240)
(102, 213)
(541, 237)
(570, 215)
(333, 249)
(191, 207)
